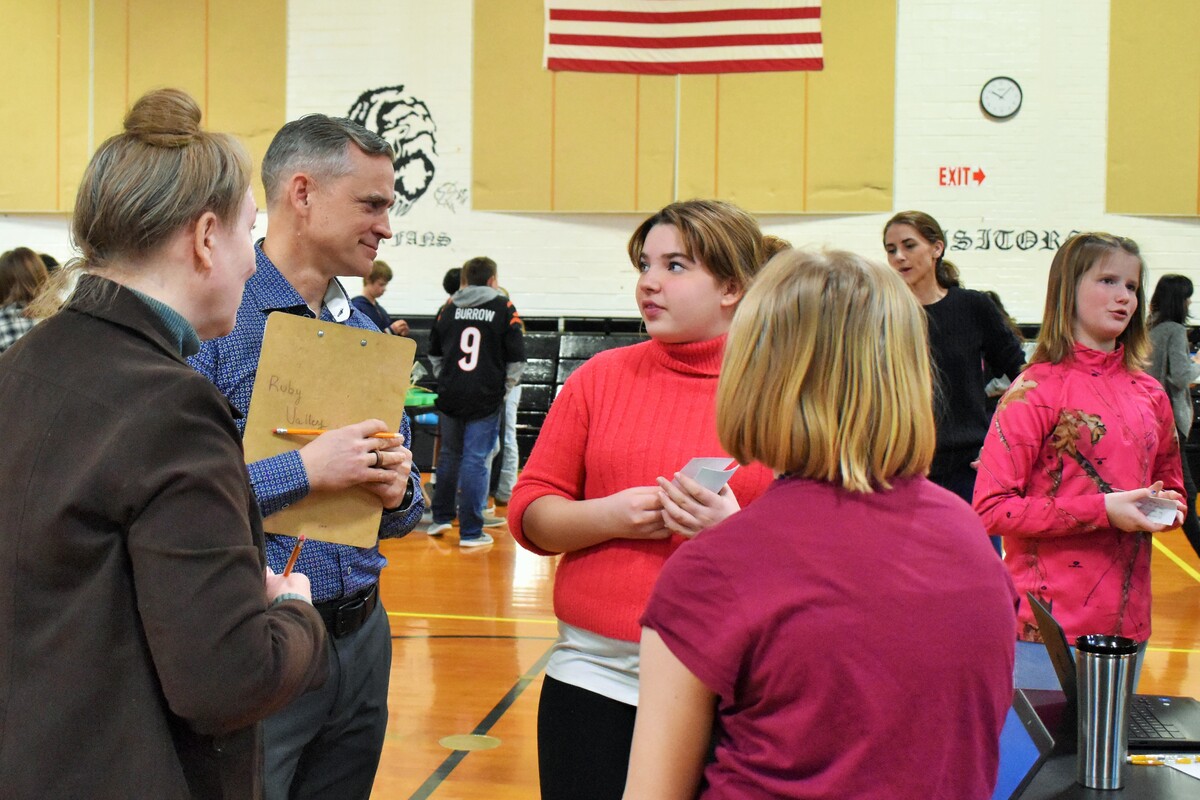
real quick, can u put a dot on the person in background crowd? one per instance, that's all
(22, 276)
(1176, 370)
(997, 382)
(506, 447)
(773, 245)
(763, 623)
(452, 281)
(1078, 441)
(477, 350)
(143, 635)
(965, 330)
(374, 286)
(597, 486)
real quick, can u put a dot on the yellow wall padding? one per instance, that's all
(229, 55)
(29, 105)
(1154, 108)
(851, 110)
(513, 105)
(247, 74)
(772, 142)
(71, 133)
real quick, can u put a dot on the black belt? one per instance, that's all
(347, 614)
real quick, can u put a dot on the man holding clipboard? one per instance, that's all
(329, 187)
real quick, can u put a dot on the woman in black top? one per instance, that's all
(965, 329)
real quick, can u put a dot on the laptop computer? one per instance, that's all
(1156, 722)
(1024, 745)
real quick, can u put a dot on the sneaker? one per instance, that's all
(493, 522)
(482, 540)
(490, 511)
(437, 529)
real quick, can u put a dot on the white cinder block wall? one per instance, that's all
(1045, 169)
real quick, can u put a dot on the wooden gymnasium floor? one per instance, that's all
(471, 630)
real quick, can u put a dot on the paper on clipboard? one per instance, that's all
(711, 473)
(317, 374)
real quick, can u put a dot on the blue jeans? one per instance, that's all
(462, 471)
(508, 435)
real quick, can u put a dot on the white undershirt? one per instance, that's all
(608, 667)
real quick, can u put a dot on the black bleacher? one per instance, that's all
(554, 348)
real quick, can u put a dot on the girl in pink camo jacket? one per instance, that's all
(1081, 437)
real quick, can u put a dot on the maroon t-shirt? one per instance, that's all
(859, 645)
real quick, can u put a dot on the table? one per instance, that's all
(1056, 779)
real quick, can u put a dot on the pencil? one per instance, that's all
(318, 432)
(1158, 760)
(292, 558)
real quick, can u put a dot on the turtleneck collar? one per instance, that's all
(183, 335)
(691, 358)
(1098, 360)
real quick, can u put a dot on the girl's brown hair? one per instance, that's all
(1056, 341)
(22, 276)
(944, 270)
(720, 235)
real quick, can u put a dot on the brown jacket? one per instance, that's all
(137, 651)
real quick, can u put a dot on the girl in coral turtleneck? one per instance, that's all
(597, 486)
(1079, 439)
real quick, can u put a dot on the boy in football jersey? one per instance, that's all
(477, 351)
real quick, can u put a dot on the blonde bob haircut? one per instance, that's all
(826, 373)
(1056, 341)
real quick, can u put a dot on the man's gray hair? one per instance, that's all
(316, 144)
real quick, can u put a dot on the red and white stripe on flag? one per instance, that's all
(682, 37)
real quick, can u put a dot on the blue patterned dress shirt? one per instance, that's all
(231, 363)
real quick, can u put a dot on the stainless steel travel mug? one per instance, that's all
(1104, 676)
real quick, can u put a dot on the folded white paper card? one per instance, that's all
(1158, 509)
(711, 473)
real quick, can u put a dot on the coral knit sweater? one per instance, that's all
(622, 419)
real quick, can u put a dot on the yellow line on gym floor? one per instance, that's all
(1179, 562)
(469, 618)
(1173, 650)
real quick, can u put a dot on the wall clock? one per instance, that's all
(1000, 98)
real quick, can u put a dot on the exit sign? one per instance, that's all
(960, 176)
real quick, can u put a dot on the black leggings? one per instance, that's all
(583, 743)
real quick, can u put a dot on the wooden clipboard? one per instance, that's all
(316, 374)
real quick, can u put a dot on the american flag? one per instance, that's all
(679, 37)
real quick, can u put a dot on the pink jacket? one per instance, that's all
(1063, 435)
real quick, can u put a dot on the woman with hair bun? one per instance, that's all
(598, 486)
(965, 330)
(142, 643)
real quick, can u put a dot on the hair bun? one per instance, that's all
(164, 118)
